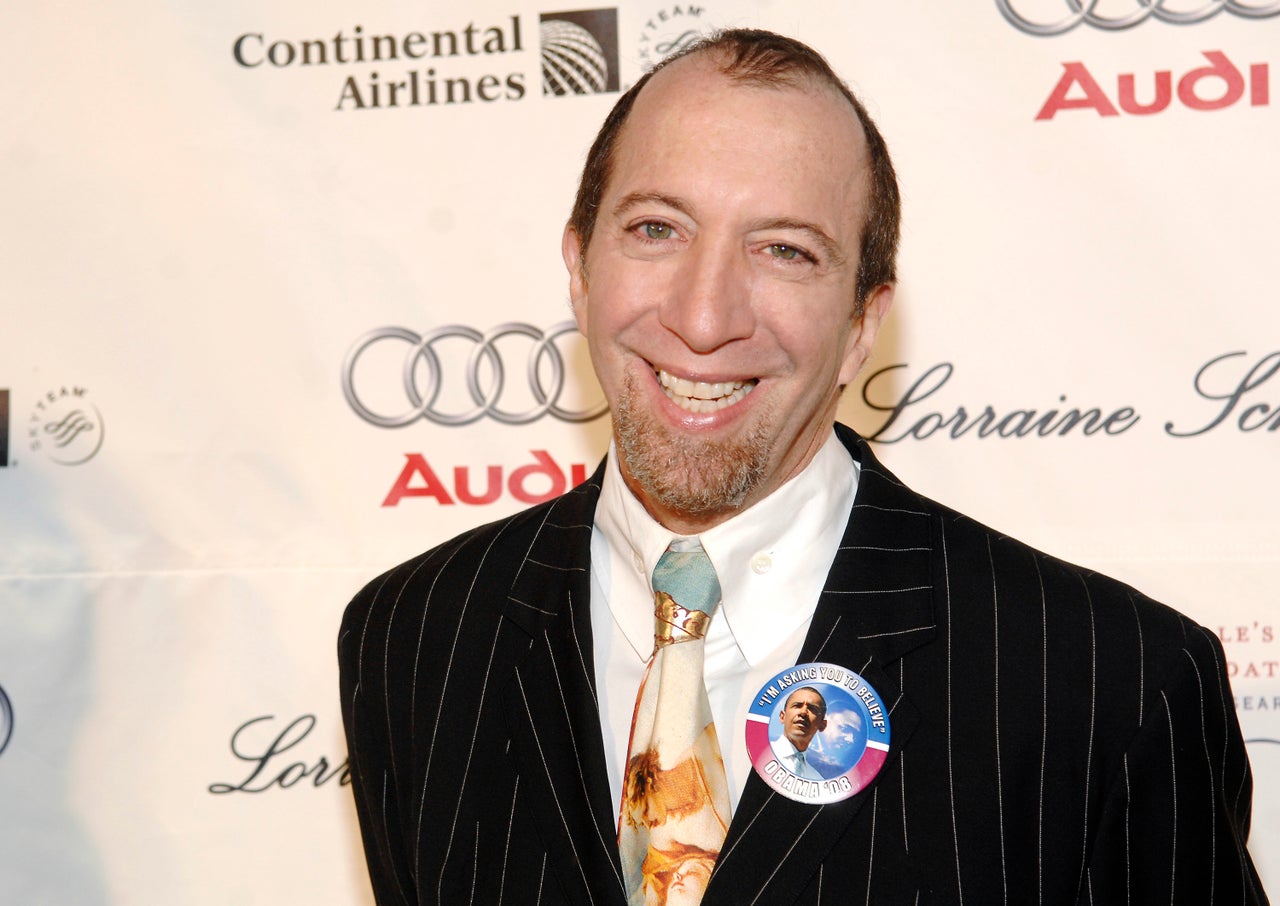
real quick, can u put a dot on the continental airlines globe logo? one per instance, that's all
(579, 52)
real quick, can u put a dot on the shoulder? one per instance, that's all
(992, 583)
(475, 570)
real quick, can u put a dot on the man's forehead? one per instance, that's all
(794, 151)
(692, 85)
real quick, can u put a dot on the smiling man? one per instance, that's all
(718, 288)
(525, 727)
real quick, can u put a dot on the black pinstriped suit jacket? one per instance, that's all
(1057, 737)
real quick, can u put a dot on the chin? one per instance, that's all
(685, 473)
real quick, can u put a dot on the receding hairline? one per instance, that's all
(790, 80)
(721, 61)
(762, 59)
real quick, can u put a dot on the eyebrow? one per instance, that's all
(815, 232)
(635, 199)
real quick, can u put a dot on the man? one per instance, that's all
(803, 716)
(1056, 737)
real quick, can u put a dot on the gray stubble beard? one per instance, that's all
(692, 477)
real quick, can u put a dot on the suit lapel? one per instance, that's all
(876, 607)
(551, 700)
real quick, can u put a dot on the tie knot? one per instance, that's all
(686, 592)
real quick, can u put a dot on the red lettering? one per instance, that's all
(1221, 68)
(1094, 98)
(1076, 79)
(416, 467)
(418, 479)
(1259, 85)
(545, 465)
(1164, 94)
(462, 487)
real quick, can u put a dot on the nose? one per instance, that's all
(709, 304)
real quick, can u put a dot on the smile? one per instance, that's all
(699, 396)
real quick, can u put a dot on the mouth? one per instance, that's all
(700, 396)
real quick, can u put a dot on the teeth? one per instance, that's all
(703, 397)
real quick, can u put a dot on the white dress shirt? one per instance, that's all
(772, 561)
(793, 759)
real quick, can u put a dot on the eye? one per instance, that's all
(656, 230)
(786, 252)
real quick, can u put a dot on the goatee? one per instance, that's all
(685, 474)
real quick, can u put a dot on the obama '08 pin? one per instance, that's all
(818, 733)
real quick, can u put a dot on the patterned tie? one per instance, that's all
(675, 799)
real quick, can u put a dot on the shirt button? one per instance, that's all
(637, 562)
(761, 564)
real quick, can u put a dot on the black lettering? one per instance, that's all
(237, 50)
(387, 41)
(411, 43)
(908, 399)
(438, 39)
(1073, 417)
(465, 90)
(286, 740)
(338, 51)
(321, 57)
(485, 85)
(1259, 374)
(350, 92)
(495, 43)
(289, 53)
(985, 422)
(1122, 420)
(267, 773)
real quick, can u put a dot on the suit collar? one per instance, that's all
(551, 703)
(878, 606)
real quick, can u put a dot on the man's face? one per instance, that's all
(802, 716)
(718, 293)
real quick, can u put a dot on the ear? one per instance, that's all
(574, 262)
(863, 336)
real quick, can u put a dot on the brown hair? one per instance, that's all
(764, 58)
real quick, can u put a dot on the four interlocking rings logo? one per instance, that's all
(422, 400)
(1086, 12)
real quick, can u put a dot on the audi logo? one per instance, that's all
(1086, 12)
(484, 365)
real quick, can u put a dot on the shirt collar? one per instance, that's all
(772, 559)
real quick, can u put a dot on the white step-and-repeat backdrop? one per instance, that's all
(281, 304)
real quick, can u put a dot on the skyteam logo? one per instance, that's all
(670, 29)
(6, 720)
(579, 52)
(66, 426)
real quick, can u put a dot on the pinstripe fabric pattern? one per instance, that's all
(1057, 737)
